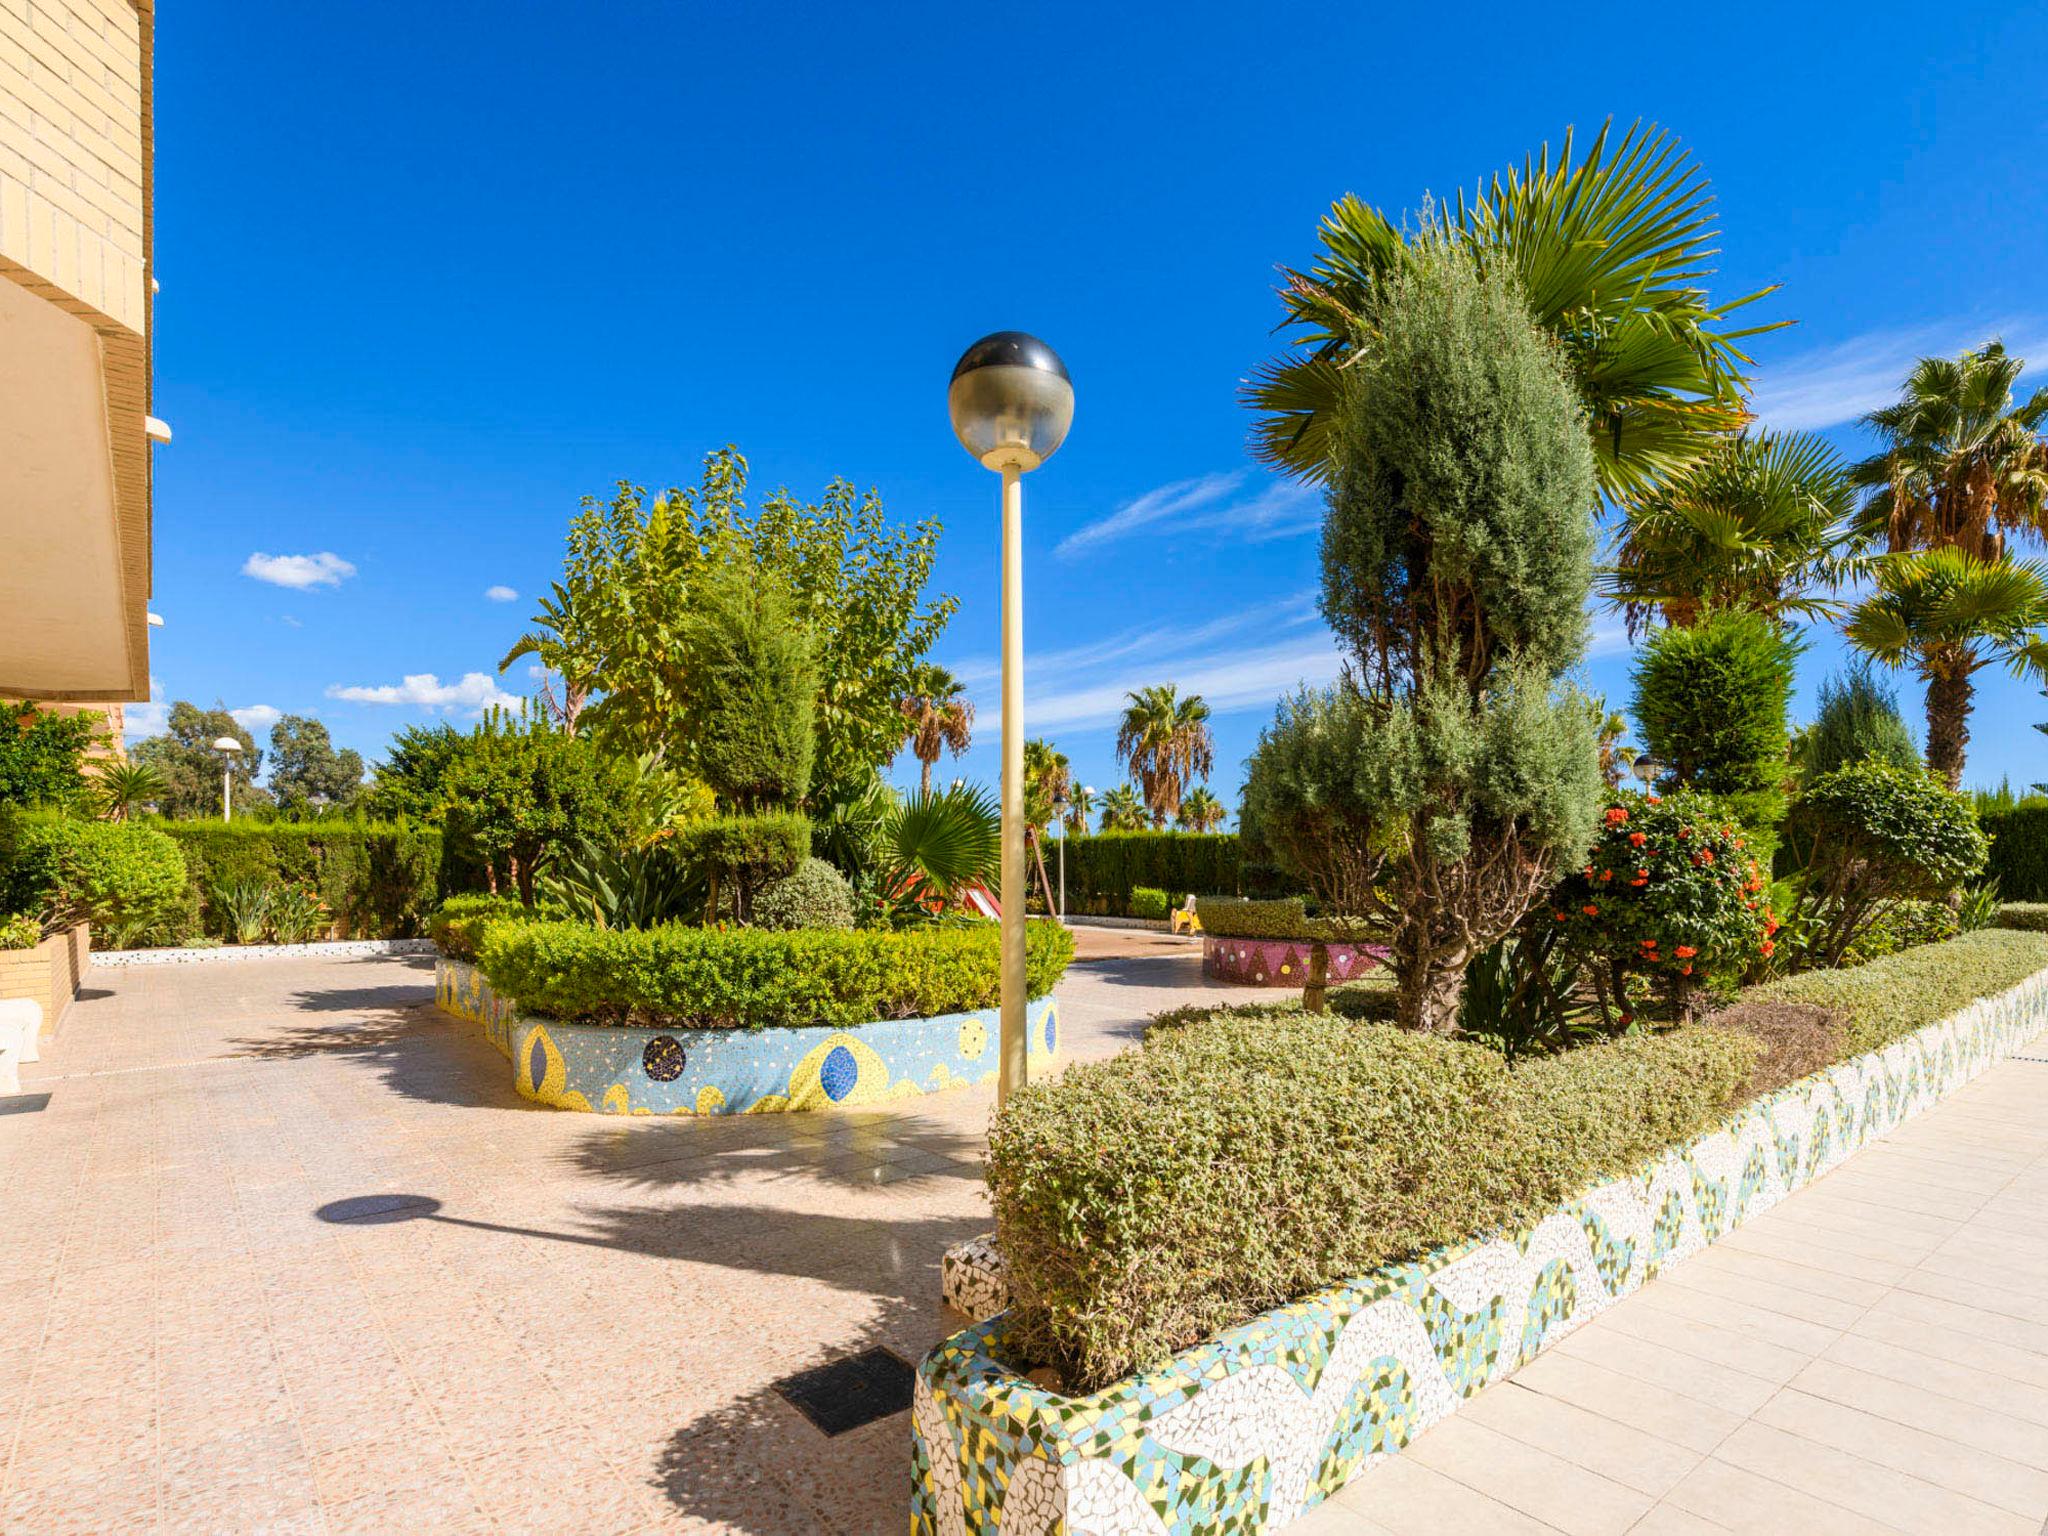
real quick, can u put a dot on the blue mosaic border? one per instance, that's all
(1261, 1424)
(618, 1071)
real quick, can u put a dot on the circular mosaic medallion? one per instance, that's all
(664, 1058)
(838, 1073)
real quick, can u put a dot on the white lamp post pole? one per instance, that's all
(1011, 404)
(227, 747)
(1060, 807)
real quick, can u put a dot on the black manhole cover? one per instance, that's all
(851, 1392)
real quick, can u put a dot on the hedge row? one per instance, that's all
(1284, 918)
(2019, 851)
(2031, 916)
(1102, 869)
(379, 881)
(750, 978)
(457, 929)
(1248, 1156)
(1149, 1201)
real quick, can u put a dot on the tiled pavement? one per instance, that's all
(285, 1252)
(1871, 1356)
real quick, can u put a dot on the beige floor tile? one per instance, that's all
(1556, 1491)
(1749, 1505)
(1408, 1499)
(1615, 1450)
(1869, 1488)
(1964, 1469)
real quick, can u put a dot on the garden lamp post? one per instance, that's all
(1059, 814)
(1647, 768)
(1011, 403)
(229, 749)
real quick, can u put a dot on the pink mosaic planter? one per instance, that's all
(1281, 962)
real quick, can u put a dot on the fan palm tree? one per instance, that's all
(1080, 806)
(121, 787)
(1948, 615)
(1165, 742)
(1961, 467)
(1201, 811)
(937, 715)
(1759, 523)
(1608, 253)
(1122, 810)
(1047, 779)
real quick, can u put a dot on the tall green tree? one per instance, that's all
(191, 770)
(751, 694)
(305, 768)
(937, 717)
(41, 754)
(1760, 523)
(1122, 810)
(520, 791)
(1166, 743)
(1948, 614)
(1607, 255)
(1858, 721)
(1435, 793)
(411, 783)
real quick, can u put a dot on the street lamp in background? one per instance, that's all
(229, 749)
(1060, 807)
(1011, 403)
(1647, 768)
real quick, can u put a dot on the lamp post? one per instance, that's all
(1646, 768)
(229, 749)
(1060, 807)
(1011, 403)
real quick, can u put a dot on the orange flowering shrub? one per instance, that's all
(1670, 891)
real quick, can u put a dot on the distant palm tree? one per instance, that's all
(937, 714)
(1947, 615)
(1165, 741)
(1047, 779)
(121, 787)
(1202, 811)
(1122, 810)
(1080, 806)
(1961, 466)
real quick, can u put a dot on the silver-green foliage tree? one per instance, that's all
(749, 696)
(1435, 793)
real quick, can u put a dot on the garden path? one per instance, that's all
(285, 1252)
(1871, 1356)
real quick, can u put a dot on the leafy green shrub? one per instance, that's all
(241, 908)
(748, 978)
(296, 915)
(376, 881)
(21, 930)
(2028, 916)
(1902, 926)
(815, 896)
(1103, 868)
(42, 754)
(1858, 720)
(457, 928)
(737, 854)
(123, 879)
(2019, 850)
(1711, 700)
(1148, 1201)
(1870, 836)
(751, 689)
(1281, 918)
(1149, 902)
(1892, 997)
(1669, 891)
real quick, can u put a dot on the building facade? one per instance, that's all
(76, 289)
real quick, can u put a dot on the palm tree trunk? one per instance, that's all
(924, 777)
(1949, 694)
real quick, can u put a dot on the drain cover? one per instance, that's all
(24, 1103)
(851, 1392)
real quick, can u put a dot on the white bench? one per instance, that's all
(21, 1026)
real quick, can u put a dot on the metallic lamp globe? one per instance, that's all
(226, 744)
(1011, 401)
(1647, 768)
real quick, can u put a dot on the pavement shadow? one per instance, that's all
(876, 1149)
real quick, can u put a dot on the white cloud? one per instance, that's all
(1832, 385)
(474, 691)
(502, 594)
(257, 717)
(151, 719)
(1273, 509)
(294, 623)
(325, 569)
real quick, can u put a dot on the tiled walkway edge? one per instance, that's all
(1268, 1420)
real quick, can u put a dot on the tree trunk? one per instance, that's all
(1948, 723)
(1427, 998)
(924, 777)
(1315, 996)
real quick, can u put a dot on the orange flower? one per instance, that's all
(1560, 916)
(1685, 831)
(1628, 1018)
(1770, 947)
(1606, 874)
(1686, 951)
(1654, 799)
(1616, 815)
(1642, 874)
(1590, 910)
(1685, 970)
(1649, 943)
(1639, 838)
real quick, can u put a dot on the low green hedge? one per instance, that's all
(1150, 902)
(1902, 992)
(457, 929)
(1149, 1201)
(379, 881)
(1104, 868)
(124, 878)
(1285, 918)
(2030, 916)
(750, 978)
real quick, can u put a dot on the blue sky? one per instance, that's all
(431, 273)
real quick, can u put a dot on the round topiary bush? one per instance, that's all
(815, 896)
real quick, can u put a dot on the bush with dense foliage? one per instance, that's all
(1712, 700)
(1148, 1201)
(121, 878)
(20, 930)
(750, 692)
(2027, 916)
(1284, 917)
(1858, 720)
(376, 881)
(457, 929)
(750, 978)
(814, 895)
(1440, 788)
(2019, 850)
(1103, 868)
(1150, 903)
(1670, 890)
(42, 753)
(1868, 837)
(737, 854)
(520, 790)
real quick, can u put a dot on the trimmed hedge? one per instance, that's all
(1285, 918)
(122, 877)
(1148, 1201)
(1149, 902)
(1104, 867)
(1892, 997)
(750, 978)
(2031, 916)
(379, 881)
(2019, 851)
(457, 929)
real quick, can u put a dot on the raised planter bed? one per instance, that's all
(607, 1069)
(1264, 1422)
(48, 975)
(1281, 962)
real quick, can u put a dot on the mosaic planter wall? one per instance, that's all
(616, 1071)
(1281, 962)
(1252, 1429)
